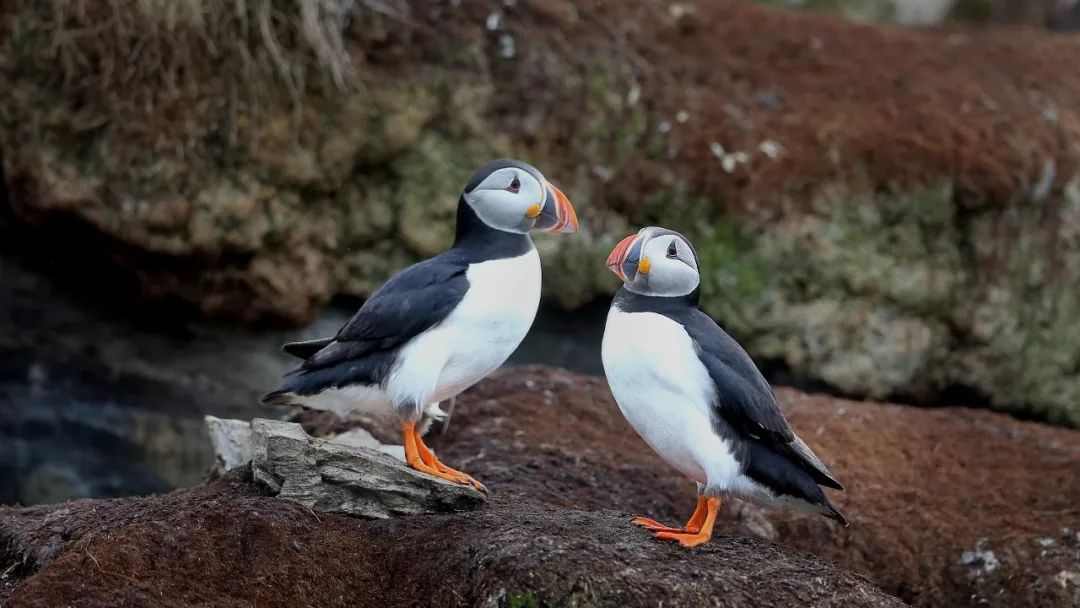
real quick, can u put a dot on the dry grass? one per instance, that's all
(169, 66)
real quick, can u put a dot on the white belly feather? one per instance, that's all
(666, 394)
(476, 338)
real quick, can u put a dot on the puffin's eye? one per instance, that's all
(515, 185)
(672, 252)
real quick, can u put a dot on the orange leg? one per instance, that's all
(693, 525)
(419, 457)
(431, 460)
(702, 536)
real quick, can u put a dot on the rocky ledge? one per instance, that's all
(887, 211)
(949, 507)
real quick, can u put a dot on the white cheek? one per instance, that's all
(499, 208)
(535, 194)
(672, 277)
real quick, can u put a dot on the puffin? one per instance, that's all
(439, 326)
(695, 396)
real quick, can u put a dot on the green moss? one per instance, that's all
(862, 10)
(901, 248)
(523, 601)
(428, 177)
(736, 270)
(617, 120)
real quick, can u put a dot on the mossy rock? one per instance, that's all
(837, 235)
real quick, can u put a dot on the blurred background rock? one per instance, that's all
(1051, 14)
(883, 212)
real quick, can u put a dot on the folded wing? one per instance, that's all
(745, 401)
(412, 302)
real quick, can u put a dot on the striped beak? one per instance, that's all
(557, 215)
(623, 260)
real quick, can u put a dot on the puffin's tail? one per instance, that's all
(788, 477)
(285, 395)
(831, 512)
(813, 465)
(305, 350)
(278, 397)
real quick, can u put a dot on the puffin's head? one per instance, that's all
(656, 262)
(513, 196)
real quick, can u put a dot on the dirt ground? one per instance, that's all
(948, 507)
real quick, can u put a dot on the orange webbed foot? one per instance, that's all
(421, 458)
(698, 530)
(684, 539)
(459, 477)
(653, 526)
(693, 526)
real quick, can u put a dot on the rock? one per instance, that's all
(865, 256)
(359, 437)
(356, 438)
(339, 478)
(231, 440)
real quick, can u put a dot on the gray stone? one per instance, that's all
(357, 481)
(357, 438)
(231, 440)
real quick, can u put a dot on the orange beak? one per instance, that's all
(618, 256)
(558, 216)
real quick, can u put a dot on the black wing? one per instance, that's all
(744, 398)
(745, 401)
(410, 303)
(364, 349)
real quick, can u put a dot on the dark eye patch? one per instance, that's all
(515, 185)
(672, 251)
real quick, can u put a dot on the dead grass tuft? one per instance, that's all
(166, 65)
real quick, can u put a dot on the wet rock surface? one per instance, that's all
(949, 507)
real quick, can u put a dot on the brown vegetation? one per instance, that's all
(948, 508)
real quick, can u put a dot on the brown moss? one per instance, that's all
(931, 493)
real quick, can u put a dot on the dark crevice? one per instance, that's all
(81, 263)
(12, 572)
(97, 268)
(3, 195)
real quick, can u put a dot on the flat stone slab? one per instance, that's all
(348, 479)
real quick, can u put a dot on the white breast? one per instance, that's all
(666, 394)
(476, 338)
